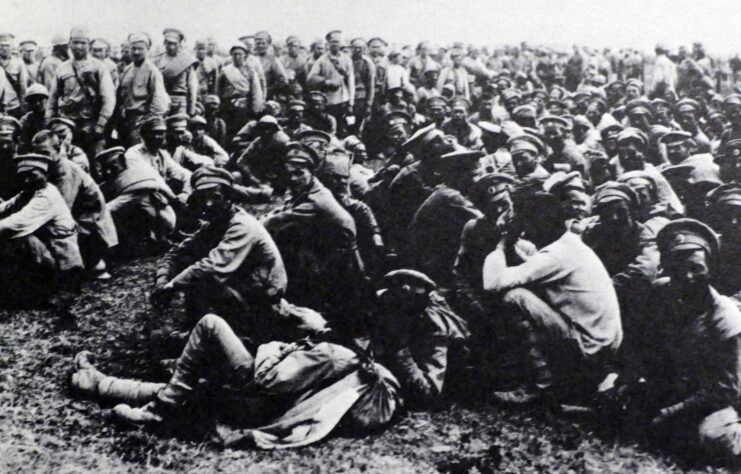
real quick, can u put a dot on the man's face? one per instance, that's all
(576, 204)
(138, 52)
(32, 180)
(200, 52)
(175, 135)
(632, 92)
(728, 222)
(172, 47)
(631, 155)
(458, 114)
(154, 139)
(36, 103)
(359, 153)
(337, 184)
(198, 133)
(28, 54)
(261, 45)
(498, 203)
(334, 43)
(733, 112)
(298, 177)
(293, 50)
(677, 152)
(730, 165)
(114, 167)
(296, 114)
(210, 203)
(5, 50)
(318, 49)
(457, 60)
(357, 50)
(126, 52)
(62, 132)
(211, 47)
(79, 47)
(688, 121)
(436, 113)
(554, 136)
(396, 136)
(615, 216)
(525, 162)
(511, 103)
(238, 57)
(663, 116)
(688, 270)
(99, 51)
(376, 49)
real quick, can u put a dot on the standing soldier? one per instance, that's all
(14, 79)
(83, 92)
(141, 93)
(48, 66)
(295, 61)
(101, 49)
(238, 87)
(178, 71)
(275, 73)
(28, 53)
(365, 81)
(206, 70)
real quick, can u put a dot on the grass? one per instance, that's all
(44, 429)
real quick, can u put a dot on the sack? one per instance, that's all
(380, 400)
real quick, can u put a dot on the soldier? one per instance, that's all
(35, 118)
(142, 93)
(205, 145)
(317, 116)
(688, 113)
(178, 71)
(137, 198)
(295, 119)
(28, 55)
(48, 66)
(365, 82)
(562, 152)
(100, 49)
(526, 151)
(458, 126)
(238, 87)
(13, 81)
(83, 92)
(39, 240)
(456, 75)
(294, 62)
(275, 74)
(334, 75)
(206, 70)
(215, 125)
(182, 154)
(9, 183)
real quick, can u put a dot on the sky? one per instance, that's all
(597, 23)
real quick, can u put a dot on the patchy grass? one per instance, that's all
(44, 429)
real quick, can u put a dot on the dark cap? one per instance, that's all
(31, 161)
(687, 234)
(302, 155)
(109, 154)
(209, 176)
(410, 281)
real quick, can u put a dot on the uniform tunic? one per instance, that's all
(13, 83)
(142, 91)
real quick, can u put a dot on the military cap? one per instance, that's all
(351, 141)
(525, 142)
(508, 94)
(561, 181)
(462, 155)
(638, 179)
(377, 40)
(687, 234)
(60, 121)
(639, 106)
(551, 120)
(615, 191)
(332, 34)
(296, 104)
(58, 40)
(488, 185)
(173, 34)
(6, 38)
(9, 125)
(634, 82)
(337, 162)
(607, 123)
(431, 66)
(677, 173)
(312, 136)
(101, 40)
(729, 194)
(613, 84)
(659, 102)
(268, 121)
(675, 136)
(198, 121)
(421, 137)
(542, 93)
(459, 101)
(245, 38)
(506, 79)
(153, 124)
(238, 46)
(581, 121)
(209, 176)
(291, 40)
(109, 154)
(490, 128)
(302, 155)
(732, 99)
(580, 97)
(27, 42)
(318, 95)
(211, 99)
(632, 133)
(715, 115)
(687, 105)
(139, 37)
(36, 89)
(177, 121)
(360, 41)
(525, 111)
(397, 118)
(264, 35)
(436, 102)
(31, 161)
(79, 33)
(409, 281)
(556, 103)
(200, 42)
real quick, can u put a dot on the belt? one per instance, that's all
(178, 94)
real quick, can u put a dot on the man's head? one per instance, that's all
(334, 41)
(173, 40)
(616, 205)
(139, 44)
(732, 109)
(6, 45)
(62, 128)
(406, 291)
(238, 52)
(200, 49)
(299, 165)
(317, 102)
(377, 47)
(47, 143)
(679, 146)
(633, 89)
(435, 109)
(79, 43)
(458, 168)
(32, 169)
(262, 42)
(687, 113)
(357, 148)
(459, 107)
(36, 96)
(335, 171)
(631, 146)
(9, 128)
(541, 218)
(100, 48)
(397, 128)
(211, 197)
(153, 133)
(554, 129)
(492, 194)
(645, 188)
(28, 51)
(456, 56)
(571, 191)
(112, 162)
(688, 248)
(526, 151)
(177, 125)
(358, 47)
(296, 110)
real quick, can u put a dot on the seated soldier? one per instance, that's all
(230, 265)
(467, 134)
(64, 128)
(526, 151)
(203, 144)
(561, 299)
(651, 213)
(690, 393)
(182, 154)
(317, 239)
(97, 232)
(571, 190)
(39, 241)
(137, 198)
(724, 213)
(562, 155)
(416, 336)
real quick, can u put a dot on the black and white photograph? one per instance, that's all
(370, 236)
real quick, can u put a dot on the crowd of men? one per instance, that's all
(438, 216)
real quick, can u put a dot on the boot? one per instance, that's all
(145, 415)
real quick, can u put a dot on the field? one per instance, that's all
(44, 429)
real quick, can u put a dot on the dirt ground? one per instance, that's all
(44, 429)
